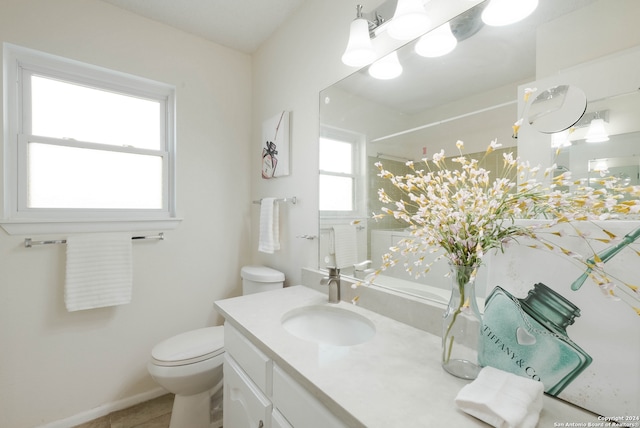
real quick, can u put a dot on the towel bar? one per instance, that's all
(28, 242)
(293, 200)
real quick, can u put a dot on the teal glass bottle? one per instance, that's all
(528, 337)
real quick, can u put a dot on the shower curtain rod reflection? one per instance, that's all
(440, 122)
(293, 200)
(392, 157)
(28, 242)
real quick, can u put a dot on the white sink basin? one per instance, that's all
(329, 325)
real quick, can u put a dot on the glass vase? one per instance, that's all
(461, 324)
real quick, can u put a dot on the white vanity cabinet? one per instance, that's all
(299, 406)
(278, 420)
(259, 394)
(247, 383)
(245, 406)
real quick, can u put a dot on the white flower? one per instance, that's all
(437, 157)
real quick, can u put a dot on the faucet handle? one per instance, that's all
(362, 265)
(333, 271)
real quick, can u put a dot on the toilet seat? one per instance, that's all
(190, 347)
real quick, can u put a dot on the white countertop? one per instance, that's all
(392, 380)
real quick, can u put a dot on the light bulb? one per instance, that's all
(560, 139)
(437, 42)
(505, 12)
(409, 20)
(597, 132)
(386, 68)
(359, 50)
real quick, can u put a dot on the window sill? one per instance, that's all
(41, 227)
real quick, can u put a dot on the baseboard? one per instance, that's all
(106, 409)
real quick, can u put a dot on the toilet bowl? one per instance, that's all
(189, 365)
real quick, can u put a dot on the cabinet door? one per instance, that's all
(279, 421)
(253, 362)
(245, 406)
(300, 408)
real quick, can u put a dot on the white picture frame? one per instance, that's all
(275, 160)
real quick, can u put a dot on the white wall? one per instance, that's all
(55, 364)
(289, 71)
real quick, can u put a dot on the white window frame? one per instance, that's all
(18, 64)
(358, 158)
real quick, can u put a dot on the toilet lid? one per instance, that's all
(261, 274)
(190, 347)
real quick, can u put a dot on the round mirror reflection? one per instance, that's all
(557, 108)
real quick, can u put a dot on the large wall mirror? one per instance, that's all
(475, 94)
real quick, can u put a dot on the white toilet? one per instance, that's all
(189, 365)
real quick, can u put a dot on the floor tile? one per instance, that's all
(159, 422)
(103, 422)
(143, 413)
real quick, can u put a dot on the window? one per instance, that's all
(84, 143)
(339, 164)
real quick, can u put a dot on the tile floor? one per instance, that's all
(151, 414)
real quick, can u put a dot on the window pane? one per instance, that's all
(335, 156)
(69, 111)
(336, 193)
(69, 177)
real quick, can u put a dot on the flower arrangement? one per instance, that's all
(462, 211)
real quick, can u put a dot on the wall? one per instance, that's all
(289, 71)
(56, 365)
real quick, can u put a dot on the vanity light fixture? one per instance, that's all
(561, 139)
(597, 132)
(599, 165)
(359, 50)
(438, 42)
(592, 126)
(409, 20)
(505, 12)
(387, 67)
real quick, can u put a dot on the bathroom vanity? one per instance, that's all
(392, 379)
(258, 391)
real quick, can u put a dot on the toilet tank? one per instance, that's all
(256, 279)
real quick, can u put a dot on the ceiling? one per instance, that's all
(242, 25)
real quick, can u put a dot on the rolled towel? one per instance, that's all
(502, 399)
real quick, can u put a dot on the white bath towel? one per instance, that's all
(99, 271)
(345, 246)
(502, 399)
(269, 240)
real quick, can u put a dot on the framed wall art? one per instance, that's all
(275, 146)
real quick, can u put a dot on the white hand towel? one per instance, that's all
(99, 271)
(269, 240)
(345, 248)
(502, 399)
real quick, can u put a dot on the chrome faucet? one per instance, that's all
(333, 281)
